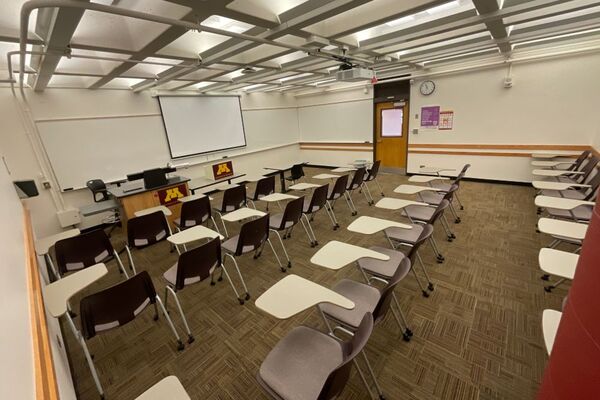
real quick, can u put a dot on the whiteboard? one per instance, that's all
(339, 122)
(271, 127)
(103, 148)
(202, 124)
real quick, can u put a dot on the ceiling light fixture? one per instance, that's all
(442, 7)
(564, 35)
(401, 21)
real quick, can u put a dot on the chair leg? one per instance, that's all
(423, 291)
(121, 267)
(314, 242)
(554, 285)
(379, 186)
(180, 345)
(368, 191)
(407, 333)
(289, 263)
(215, 224)
(223, 223)
(131, 264)
(52, 267)
(331, 214)
(276, 256)
(446, 226)
(185, 323)
(310, 238)
(429, 283)
(235, 264)
(86, 352)
(223, 270)
(373, 376)
(453, 211)
(251, 202)
(351, 203)
(458, 199)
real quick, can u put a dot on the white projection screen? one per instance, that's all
(202, 124)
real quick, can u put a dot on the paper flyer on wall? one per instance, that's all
(446, 120)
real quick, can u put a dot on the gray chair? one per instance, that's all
(446, 186)
(372, 177)
(435, 198)
(586, 168)
(577, 193)
(310, 365)
(285, 222)
(333, 194)
(429, 214)
(317, 202)
(357, 182)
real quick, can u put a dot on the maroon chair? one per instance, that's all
(85, 250)
(234, 198)
(264, 187)
(356, 183)
(195, 212)
(146, 230)
(336, 191)
(317, 202)
(285, 222)
(372, 177)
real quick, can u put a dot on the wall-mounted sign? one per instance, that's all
(170, 195)
(430, 117)
(222, 170)
(446, 120)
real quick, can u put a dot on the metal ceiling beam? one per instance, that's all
(495, 27)
(56, 27)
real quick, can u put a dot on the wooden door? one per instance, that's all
(391, 134)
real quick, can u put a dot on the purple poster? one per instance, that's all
(430, 117)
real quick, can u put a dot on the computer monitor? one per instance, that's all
(154, 178)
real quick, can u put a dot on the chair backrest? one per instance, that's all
(117, 305)
(450, 193)
(373, 171)
(587, 169)
(297, 172)
(462, 173)
(582, 157)
(195, 212)
(147, 230)
(197, 264)
(339, 187)
(358, 178)
(98, 189)
(264, 187)
(425, 234)
(233, 198)
(318, 199)
(252, 235)
(82, 251)
(337, 379)
(292, 213)
(594, 183)
(383, 305)
(439, 211)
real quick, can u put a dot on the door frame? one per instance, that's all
(377, 101)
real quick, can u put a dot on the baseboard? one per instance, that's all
(482, 180)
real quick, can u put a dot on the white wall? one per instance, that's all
(16, 368)
(551, 102)
(336, 117)
(269, 119)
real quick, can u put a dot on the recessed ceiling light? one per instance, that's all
(400, 21)
(443, 7)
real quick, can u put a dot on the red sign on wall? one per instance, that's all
(170, 195)
(222, 170)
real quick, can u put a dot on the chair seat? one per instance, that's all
(385, 269)
(306, 205)
(432, 197)
(581, 213)
(275, 222)
(443, 186)
(408, 236)
(335, 196)
(299, 365)
(365, 300)
(171, 276)
(419, 213)
(568, 194)
(230, 245)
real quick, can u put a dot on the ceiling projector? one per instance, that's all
(351, 73)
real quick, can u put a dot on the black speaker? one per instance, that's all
(26, 189)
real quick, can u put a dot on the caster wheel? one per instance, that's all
(220, 279)
(457, 221)
(241, 301)
(283, 270)
(180, 345)
(354, 213)
(191, 339)
(213, 283)
(450, 239)
(440, 260)
(405, 337)
(408, 332)
(312, 244)
(453, 236)
(337, 225)
(335, 228)
(381, 397)
(548, 289)
(537, 230)
(102, 397)
(382, 195)
(247, 296)
(316, 243)
(462, 208)
(425, 294)
(156, 316)
(545, 277)
(289, 264)
(430, 287)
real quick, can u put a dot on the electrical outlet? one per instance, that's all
(46, 184)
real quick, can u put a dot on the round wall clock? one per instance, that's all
(427, 87)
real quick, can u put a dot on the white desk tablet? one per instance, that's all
(43, 245)
(370, 225)
(151, 210)
(242, 213)
(434, 170)
(168, 388)
(557, 227)
(551, 164)
(560, 203)
(326, 176)
(414, 189)
(554, 172)
(550, 322)
(544, 155)
(343, 169)
(57, 294)
(557, 262)
(303, 186)
(390, 203)
(191, 197)
(551, 185)
(294, 294)
(277, 197)
(336, 255)
(426, 178)
(198, 232)
(250, 178)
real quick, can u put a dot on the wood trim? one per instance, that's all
(472, 153)
(339, 144)
(595, 151)
(364, 150)
(46, 387)
(563, 147)
(336, 146)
